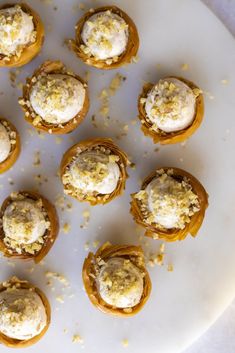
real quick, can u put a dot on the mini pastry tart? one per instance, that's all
(25, 313)
(170, 205)
(170, 111)
(9, 145)
(106, 38)
(94, 170)
(55, 100)
(28, 226)
(21, 34)
(116, 280)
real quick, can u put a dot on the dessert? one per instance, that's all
(170, 205)
(106, 38)
(94, 170)
(9, 145)
(171, 110)
(55, 100)
(21, 34)
(25, 313)
(116, 280)
(28, 226)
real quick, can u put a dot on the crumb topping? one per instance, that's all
(170, 105)
(167, 202)
(25, 225)
(105, 36)
(93, 171)
(56, 98)
(22, 313)
(16, 31)
(120, 282)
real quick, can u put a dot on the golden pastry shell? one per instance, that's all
(51, 233)
(174, 234)
(52, 67)
(31, 50)
(105, 252)
(15, 343)
(15, 149)
(171, 137)
(124, 58)
(88, 144)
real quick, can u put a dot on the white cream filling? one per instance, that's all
(173, 119)
(5, 144)
(22, 314)
(120, 283)
(24, 222)
(82, 174)
(105, 34)
(57, 98)
(167, 217)
(16, 30)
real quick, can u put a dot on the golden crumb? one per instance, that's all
(37, 159)
(184, 67)
(87, 246)
(60, 299)
(95, 243)
(170, 268)
(224, 82)
(55, 275)
(66, 228)
(77, 339)
(125, 342)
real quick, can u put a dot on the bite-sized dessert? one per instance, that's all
(21, 34)
(170, 205)
(171, 110)
(55, 100)
(116, 280)
(25, 313)
(9, 145)
(28, 226)
(94, 170)
(106, 38)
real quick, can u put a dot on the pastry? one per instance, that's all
(21, 34)
(171, 110)
(28, 226)
(116, 280)
(170, 205)
(55, 100)
(9, 145)
(25, 313)
(94, 170)
(106, 38)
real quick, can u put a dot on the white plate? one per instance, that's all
(183, 303)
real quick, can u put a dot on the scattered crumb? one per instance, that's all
(125, 342)
(77, 339)
(66, 228)
(65, 330)
(95, 243)
(37, 159)
(86, 217)
(224, 82)
(184, 67)
(82, 6)
(55, 275)
(87, 246)
(60, 299)
(170, 268)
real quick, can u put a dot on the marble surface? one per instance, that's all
(221, 336)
